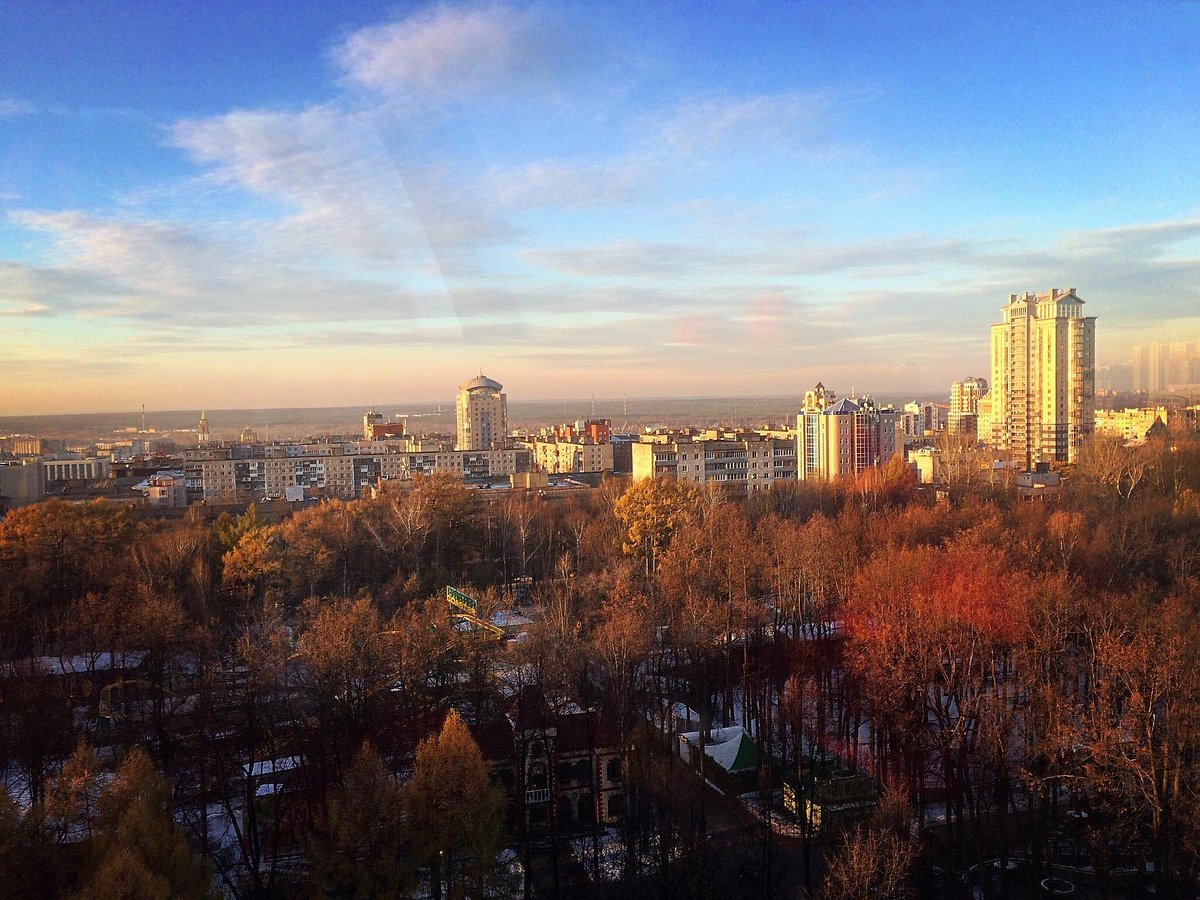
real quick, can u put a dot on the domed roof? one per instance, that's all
(479, 382)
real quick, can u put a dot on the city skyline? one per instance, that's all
(303, 205)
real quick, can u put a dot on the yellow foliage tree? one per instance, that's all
(650, 512)
(357, 848)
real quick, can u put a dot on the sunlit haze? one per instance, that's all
(315, 204)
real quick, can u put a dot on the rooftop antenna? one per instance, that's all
(143, 417)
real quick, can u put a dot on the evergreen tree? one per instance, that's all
(139, 851)
(453, 811)
(357, 849)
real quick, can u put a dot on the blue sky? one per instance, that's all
(302, 203)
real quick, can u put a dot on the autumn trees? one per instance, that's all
(876, 858)
(138, 851)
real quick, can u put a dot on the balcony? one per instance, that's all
(537, 795)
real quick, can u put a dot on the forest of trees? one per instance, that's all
(994, 665)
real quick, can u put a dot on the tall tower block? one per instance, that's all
(1043, 377)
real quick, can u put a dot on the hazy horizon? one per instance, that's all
(284, 422)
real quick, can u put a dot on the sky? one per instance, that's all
(302, 203)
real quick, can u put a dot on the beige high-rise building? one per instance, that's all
(1043, 377)
(482, 415)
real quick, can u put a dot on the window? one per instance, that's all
(577, 771)
(612, 769)
(616, 806)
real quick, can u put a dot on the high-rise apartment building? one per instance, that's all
(836, 439)
(482, 409)
(922, 417)
(964, 405)
(1043, 377)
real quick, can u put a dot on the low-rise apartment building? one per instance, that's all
(743, 461)
(166, 490)
(583, 447)
(333, 472)
(571, 457)
(1129, 424)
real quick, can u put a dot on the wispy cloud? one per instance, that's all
(451, 53)
(11, 108)
(789, 121)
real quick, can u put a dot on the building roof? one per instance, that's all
(495, 739)
(530, 711)
(588, 730)
(730, 748)
(576, 732)
(842, 407)
(481, 382)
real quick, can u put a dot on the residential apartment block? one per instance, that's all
(1043, 377)
(336, 470)
(166, 490)
(964, 406)
(571, 457)
(923, 418)
(744, 461)
(1129, 424)
(482, 414)
(579, 448)
(840, 438)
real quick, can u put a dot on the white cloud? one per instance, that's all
(11, 108)
(350, 185)
(571, 185)
(162, 274)
(456, 53)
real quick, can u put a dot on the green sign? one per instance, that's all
(455, 597)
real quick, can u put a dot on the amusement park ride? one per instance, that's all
(466, 609)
